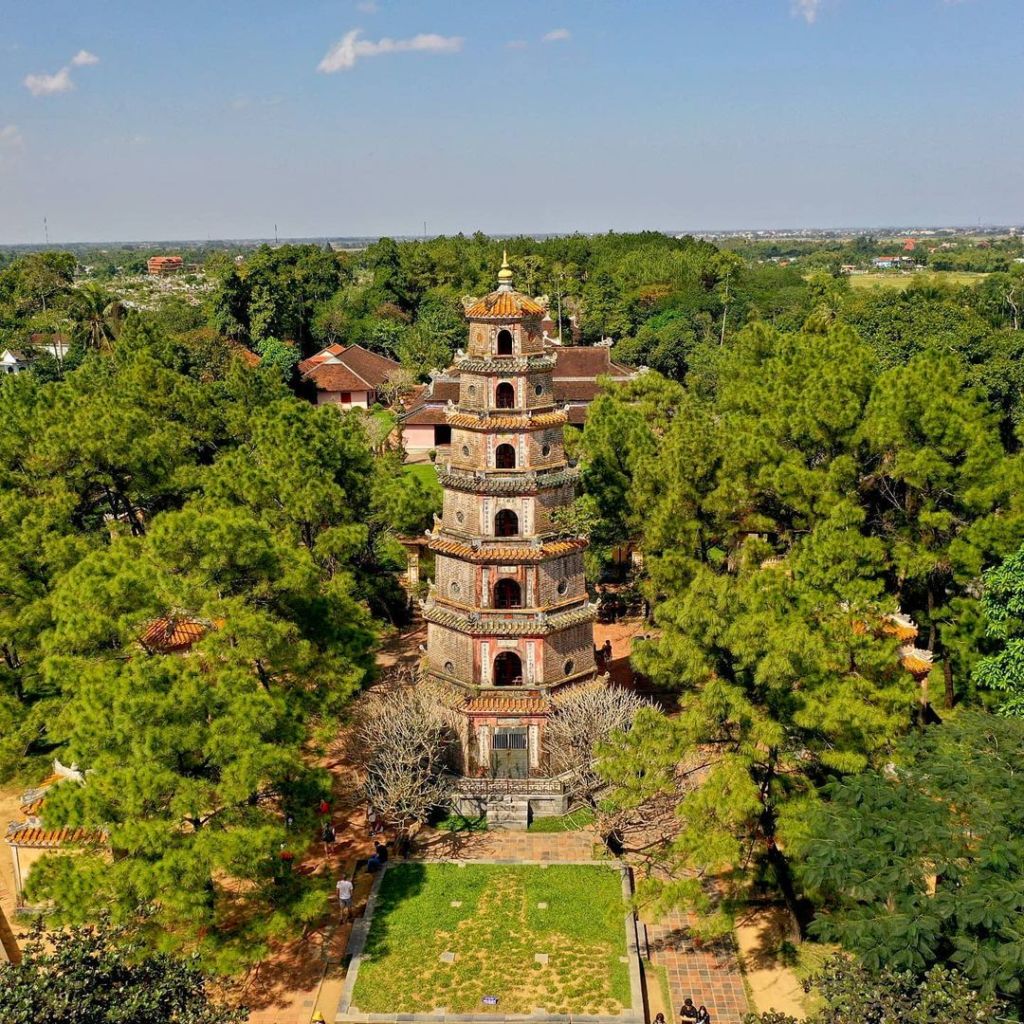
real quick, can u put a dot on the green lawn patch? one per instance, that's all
(571, 822)
(458, 823)
(495, 930)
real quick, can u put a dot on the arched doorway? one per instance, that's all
(505, 457)
(508, 594)
(506, 523)
(508, 669)
(504, 343)
(505, 395)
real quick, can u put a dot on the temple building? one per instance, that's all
(508, 618)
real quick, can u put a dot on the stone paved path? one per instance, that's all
(557, 847)
(707, 975)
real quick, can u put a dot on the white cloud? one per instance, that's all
(368, 7)
(350, 48)
(556, 35)
(47, 85)
(59, 81)
(807, 9)
(10, 136)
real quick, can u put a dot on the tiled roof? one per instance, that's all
(900, 626)
(916, 660)
(515, 625)
(351, 369)
(324, 354)
(505, 364)
(507, 483)
(426, 416)
(501, 705)
(504, 305)
(171, 635)
(510, 555)
(586, 362)
(538, 422)
(27, 834)
(444, 391)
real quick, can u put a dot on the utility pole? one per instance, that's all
(46, 231)
(275, 234)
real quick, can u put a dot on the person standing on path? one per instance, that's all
(688, 1011)
(703, 1017)
(345, 898)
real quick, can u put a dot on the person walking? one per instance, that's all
(344, 899)
(688, 1011)
(327, 837)
(703, 1017)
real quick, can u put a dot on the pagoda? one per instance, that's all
(508, 618)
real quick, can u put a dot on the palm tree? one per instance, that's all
(95, 316)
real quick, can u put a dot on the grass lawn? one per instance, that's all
(424, 472)
(495, 933)
(571, 822)
(893, 279)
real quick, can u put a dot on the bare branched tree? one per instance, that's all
(583, 716)
(405, 732)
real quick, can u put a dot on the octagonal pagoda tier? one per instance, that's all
(509, 607)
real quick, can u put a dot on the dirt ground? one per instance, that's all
(760, 933)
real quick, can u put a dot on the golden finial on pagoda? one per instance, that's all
(505, 274)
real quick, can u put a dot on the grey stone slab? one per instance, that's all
(448, 957)
(542, 905)
(540, 958)
(456, 903)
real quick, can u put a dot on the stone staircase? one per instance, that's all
(509, 812)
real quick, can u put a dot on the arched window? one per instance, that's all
(507, 594)
(505, 457)
(508, 669)
(506, 523)
(505, 395)
(504, 343)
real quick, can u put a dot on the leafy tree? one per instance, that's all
(278, 356)
(930, 866)
(853, 994)
(939, 488)
(95, 317)
(98, 975)
(1003, 603)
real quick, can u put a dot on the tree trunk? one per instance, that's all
(947, 672)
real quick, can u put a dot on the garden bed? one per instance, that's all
(446, 936)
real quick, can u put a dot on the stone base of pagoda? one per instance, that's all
(510, 803)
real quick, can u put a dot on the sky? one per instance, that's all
(194, 119)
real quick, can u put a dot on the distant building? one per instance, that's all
(886, 262)
(424, 424)
(910, 245)
(350, 377)
(17, 360)
(157, 265)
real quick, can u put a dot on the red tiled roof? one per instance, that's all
(25, 834)
(426, 416)
(335, 377)
(495, 705)
(586, 362)
(352, 369)
(526, 553)
(170, 635)
(502, 305)
(306, 365)
(539, 422)
(445, 390)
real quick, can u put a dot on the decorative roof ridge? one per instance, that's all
(539, 624)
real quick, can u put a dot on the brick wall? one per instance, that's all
(552, 573)
(474, 442)
(463, 574)
(473, 390)
(445, 646)
(456, 502)
(553, 439)
(546, 503)
(577, 644)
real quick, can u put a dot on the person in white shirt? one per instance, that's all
(345, 897)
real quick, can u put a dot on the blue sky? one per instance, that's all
(220, 118)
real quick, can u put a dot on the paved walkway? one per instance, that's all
(556, 847)
(709, 975)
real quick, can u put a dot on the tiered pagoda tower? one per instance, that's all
(508, 620)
